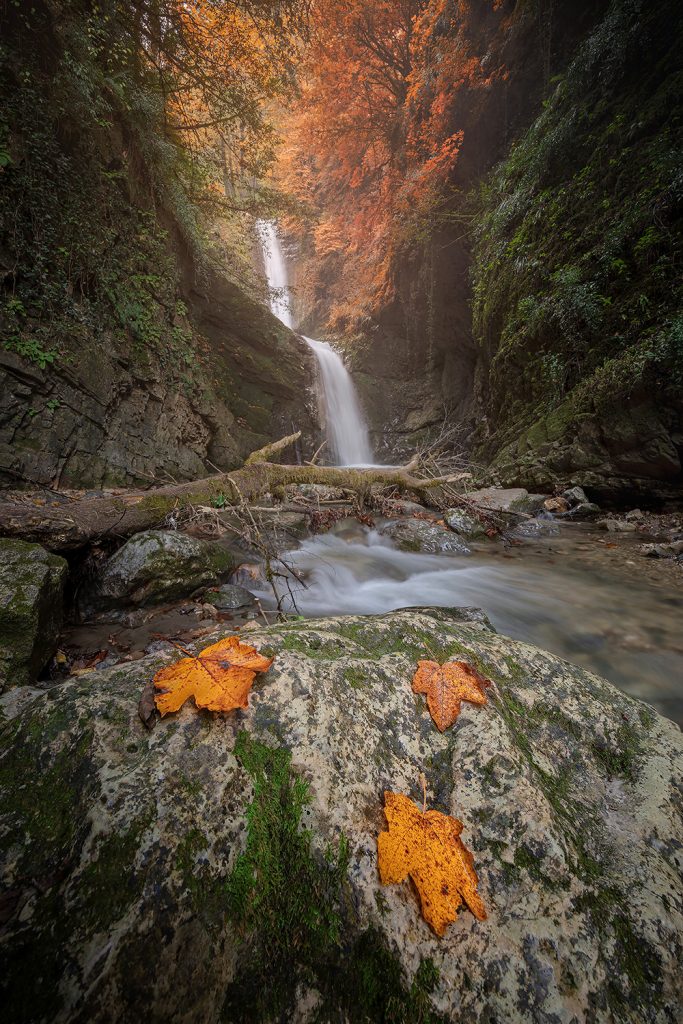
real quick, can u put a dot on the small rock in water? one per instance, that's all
(230, 596)
(418, 535)
(535, 528)
(465, 524)
(556, 504)
(575, 496)
(616, 525)
(671, 550)
(633, 515)
(586, 510)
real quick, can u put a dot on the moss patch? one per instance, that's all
(291, 901)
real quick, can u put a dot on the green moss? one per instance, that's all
(356, 677)
(110, 883)
(632, 965)
(621, 758)
(291, 902)
(285, 898)
(576, 293)
(578, 826)
(313, 646)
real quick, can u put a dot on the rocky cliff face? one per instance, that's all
(128, 355)
(422, 347)
(108, 414)
(545, 323)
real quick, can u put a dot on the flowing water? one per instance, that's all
(348, 440)
(568, 594)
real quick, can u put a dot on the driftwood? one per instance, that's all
(87, 520)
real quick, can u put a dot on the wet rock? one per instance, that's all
(674, 549)
(617, 525)
(405, 508)
(532, 528)
(131, 862)
(575, 496)
(429, 538)
(586, 510)
(511, 499)
(556, 505)
(31, 608)
(465, 524)
(154, 567)
(230, 597)
(247, 574)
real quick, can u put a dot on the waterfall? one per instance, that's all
(276, 273)
(345, 427)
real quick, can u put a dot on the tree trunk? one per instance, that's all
(86, 520)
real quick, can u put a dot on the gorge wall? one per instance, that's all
(127, 355)
(540, 315)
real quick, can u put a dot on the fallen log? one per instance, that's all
(88, 520)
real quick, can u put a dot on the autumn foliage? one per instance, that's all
(375, 138)
(446, 687)
(426, 845)
(219, 678)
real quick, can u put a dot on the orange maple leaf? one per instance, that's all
(447, 686)
(426, 845)
(219, 678)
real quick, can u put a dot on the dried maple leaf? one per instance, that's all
(427, 846)
(219, 678)
(447, 686)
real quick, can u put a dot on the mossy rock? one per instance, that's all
(31, 608)
(157, 566)
(224, 868)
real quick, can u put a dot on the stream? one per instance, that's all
(596, 602)
(588, 600)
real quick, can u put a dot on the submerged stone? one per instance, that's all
(225, 867)
(230, 596)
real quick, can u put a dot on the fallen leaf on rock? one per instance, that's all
(219, 678)
(447, 686)
(147, 706)
(427, 846)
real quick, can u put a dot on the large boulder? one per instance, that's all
(31, 608)
(156, 566)
(224, 867)
(423, 536)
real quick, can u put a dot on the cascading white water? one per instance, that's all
(347, 433)
(276, 273)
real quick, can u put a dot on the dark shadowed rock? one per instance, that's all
(31, 592)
